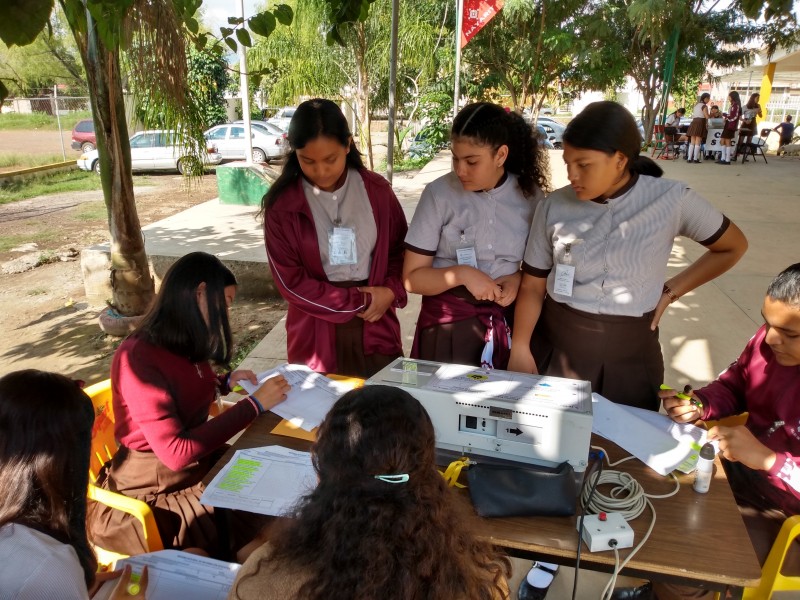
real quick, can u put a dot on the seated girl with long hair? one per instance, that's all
(45, 436)
(163, 388)
(381, 523)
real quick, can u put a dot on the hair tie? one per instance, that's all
(402, 478)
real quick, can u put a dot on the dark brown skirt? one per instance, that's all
(697, 128)
(351, 360)
(620, 356)
(174, 496)
(727, 134)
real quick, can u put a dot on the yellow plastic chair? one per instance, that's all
(104, 446)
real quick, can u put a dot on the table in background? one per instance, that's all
(698, 539)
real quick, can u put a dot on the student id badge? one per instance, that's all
(565, 274)
(465, 253)
(342, 246)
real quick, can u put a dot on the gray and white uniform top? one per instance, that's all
(619, 247)
(495, 222)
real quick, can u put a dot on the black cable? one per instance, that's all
(599, 466)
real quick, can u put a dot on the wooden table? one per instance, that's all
(698, 539)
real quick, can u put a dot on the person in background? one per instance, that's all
(164, 387)
(750, 115)
(334, 235)
(465, 241)
(762, 457)
(698, 128)
(728, 151)
(595, 269)
(714, 112)
(787, 132)
(381, 523)
(671, 129)
(45, 437)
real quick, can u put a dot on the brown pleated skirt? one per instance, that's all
(174, 496)
(698, 128)
(351, 360)
(620, 356)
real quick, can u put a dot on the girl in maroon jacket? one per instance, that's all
(729, 130)
(334, 235)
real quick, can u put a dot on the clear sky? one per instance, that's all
(216, 12)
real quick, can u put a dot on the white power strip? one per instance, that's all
(606, 531)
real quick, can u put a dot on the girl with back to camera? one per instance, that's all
(381, 523)
(334, 234)
(698, 128)
(467, 236)
(750, 115)
(595, 269)
(729, 129)
(45, 437)
(163, 389)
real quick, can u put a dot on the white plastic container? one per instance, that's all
(705, 468)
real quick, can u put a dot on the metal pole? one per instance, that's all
(459, 27)
(243, 83)
(392, 90)
(58, 120)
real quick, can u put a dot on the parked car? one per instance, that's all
(283, 117)
(544, 140)
(269, 143)
(83, 137)
(152, 151)
(554, 131)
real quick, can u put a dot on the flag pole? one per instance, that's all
(459, 27)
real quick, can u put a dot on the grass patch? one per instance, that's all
(41, 120)
(44, 236)
(37, 292)
(56, 183)
(407, 164)
(92, 211)
(25, 161)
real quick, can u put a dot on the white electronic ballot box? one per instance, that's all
(535, 419)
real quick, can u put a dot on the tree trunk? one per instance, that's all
(132, 285)
(363, 93)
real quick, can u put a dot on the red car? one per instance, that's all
(83, 137)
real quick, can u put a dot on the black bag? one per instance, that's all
(514, 491)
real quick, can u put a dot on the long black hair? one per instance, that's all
(492, 125)
(362, 537)
(175, 321)
(45, 439)
(312, 119)
(609, 127)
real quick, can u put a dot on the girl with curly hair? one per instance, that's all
(380, 523)
(467, 236)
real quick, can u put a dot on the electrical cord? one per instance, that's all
(598, 464)
(627, 497)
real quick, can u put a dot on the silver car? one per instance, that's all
(554, 131)
(152, 151)
(283, 117)
(268, 143)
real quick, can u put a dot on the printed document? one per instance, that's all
(269, 481)
(173, 574)
(311, 397)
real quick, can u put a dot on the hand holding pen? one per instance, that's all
(681, 407)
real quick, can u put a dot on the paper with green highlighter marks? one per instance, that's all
(268, 481)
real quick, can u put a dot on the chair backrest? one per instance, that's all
(765, 132)
(104, 445)
(772, 580)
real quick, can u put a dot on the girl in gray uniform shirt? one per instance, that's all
(594, 285)
(465, 242)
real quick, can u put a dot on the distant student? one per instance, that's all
(334, 235)
(45, 436)
(595, 269)
(698, 128)
(467, 236)
(671, 128)
(787, 133)
(762, 457)
(750, 115)
(731, 117)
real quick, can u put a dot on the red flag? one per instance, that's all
(477, 13)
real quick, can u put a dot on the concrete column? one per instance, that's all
(766, 88)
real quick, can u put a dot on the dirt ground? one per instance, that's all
(45, 320)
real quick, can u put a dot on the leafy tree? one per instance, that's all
(154, 35)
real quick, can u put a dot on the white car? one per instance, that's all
(269, 142)
(554, 131)
(152, 151)
(283, 117)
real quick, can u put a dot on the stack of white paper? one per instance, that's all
(655, 439)
(311, 397)
(268, 481)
